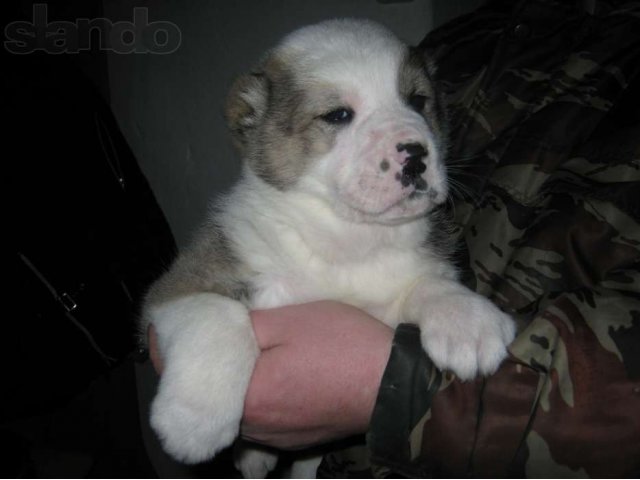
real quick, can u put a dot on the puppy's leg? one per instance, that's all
(209, 352)
(461, 331)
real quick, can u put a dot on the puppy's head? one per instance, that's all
(344, 111)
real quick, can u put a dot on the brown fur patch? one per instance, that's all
(274, 117)
(243, 108)
(208, 265)
(415, 76)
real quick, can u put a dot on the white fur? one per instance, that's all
(303, 251)
(209, 350)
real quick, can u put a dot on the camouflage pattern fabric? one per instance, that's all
(545, 102)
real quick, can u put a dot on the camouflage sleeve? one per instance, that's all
(546, 157)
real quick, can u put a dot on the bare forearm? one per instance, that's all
(317, 377)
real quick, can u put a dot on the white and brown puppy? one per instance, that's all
(342, 140)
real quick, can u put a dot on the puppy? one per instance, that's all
(343, 141)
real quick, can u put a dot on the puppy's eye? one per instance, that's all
(339, 116)
(417, 102)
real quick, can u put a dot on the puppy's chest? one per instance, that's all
(372, 283)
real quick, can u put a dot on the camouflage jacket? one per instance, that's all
(545, 102)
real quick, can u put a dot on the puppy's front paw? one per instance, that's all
(191, 433)
(209, 350)
(466, 333)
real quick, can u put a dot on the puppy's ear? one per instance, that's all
(246, 105)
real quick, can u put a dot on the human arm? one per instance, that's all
(317, 376)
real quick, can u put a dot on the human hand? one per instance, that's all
(318, 375)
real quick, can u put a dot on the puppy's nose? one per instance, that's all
(413, 149)
(413, 167)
